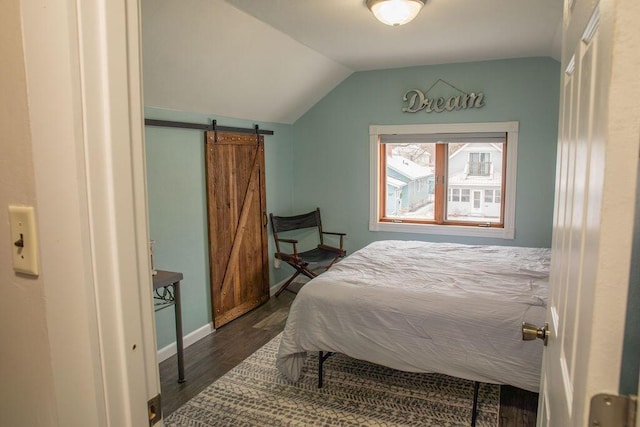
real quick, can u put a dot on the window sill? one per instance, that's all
(448, 230)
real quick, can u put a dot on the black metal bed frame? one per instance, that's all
(323, 356)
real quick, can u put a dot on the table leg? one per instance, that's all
(179, 343)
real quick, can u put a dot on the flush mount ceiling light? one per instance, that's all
(395, 12)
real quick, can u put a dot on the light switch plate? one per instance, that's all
(24, 240)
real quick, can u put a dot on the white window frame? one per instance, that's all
(509, 198)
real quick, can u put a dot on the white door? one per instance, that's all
(593, 218)
(477, 201)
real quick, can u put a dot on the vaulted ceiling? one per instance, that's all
(272, 60)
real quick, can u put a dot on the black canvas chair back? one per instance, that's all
(288, 223)
(310, 262)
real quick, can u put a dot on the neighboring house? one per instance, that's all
(475, 181)
(409, 185)
(394, 195)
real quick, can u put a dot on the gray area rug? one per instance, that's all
(355, 393)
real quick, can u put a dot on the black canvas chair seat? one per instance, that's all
(318, 256)
(310, 262)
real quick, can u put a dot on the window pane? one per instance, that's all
(473, 169)
(410, 181)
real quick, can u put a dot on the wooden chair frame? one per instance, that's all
(307, 263)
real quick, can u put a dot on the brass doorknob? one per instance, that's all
(531, 332)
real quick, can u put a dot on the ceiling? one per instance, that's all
(272, 60)
(445, 31)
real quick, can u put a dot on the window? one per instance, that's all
(452, 178)
(411, 161)
(464, 197)
(479, 164)
(492, 196)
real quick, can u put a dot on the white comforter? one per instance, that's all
(426, 307)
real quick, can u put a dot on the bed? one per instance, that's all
(426, 307)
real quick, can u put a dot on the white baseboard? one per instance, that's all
(168, 351)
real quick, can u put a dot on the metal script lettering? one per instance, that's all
(417, 100)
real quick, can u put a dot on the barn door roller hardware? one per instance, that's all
(213, 126)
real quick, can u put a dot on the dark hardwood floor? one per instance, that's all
(213, 356)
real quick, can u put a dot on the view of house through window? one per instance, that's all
(456, 179)
(410, 180)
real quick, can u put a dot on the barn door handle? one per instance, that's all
(531, 332)
(266, 221)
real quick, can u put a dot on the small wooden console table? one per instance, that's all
(166, 292)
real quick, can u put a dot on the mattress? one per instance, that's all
(426, 307)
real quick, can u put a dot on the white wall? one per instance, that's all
(26, 393)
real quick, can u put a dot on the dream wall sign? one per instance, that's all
(433, 99)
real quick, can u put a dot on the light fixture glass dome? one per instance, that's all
(395, 12)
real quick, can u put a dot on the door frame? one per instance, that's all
(86, 122)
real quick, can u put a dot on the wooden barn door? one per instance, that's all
(238, 256)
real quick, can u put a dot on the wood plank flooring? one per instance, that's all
(213, 356)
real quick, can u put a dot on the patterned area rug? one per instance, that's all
(355, 393)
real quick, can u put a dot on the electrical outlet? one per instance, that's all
(276, 263)
(24, 240)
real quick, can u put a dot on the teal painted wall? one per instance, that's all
(331, 149)
(177, 206)
(323, 160)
